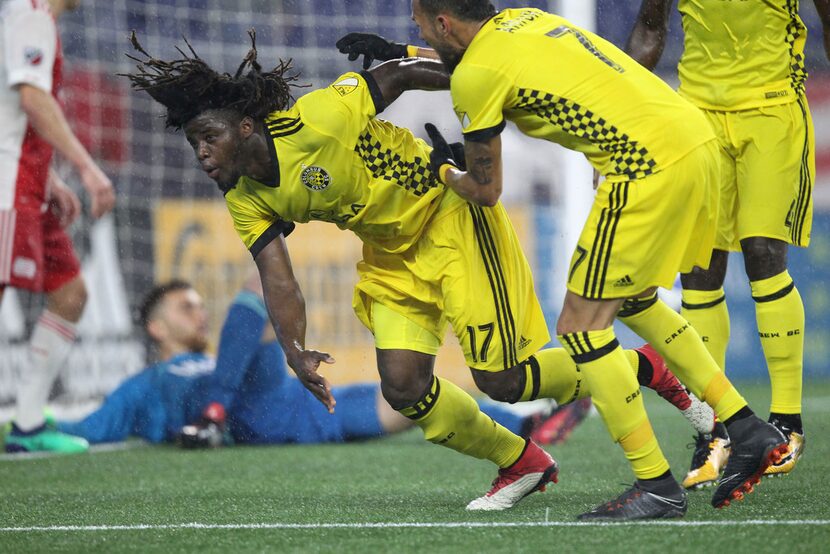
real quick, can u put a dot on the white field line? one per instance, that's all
(410, 525)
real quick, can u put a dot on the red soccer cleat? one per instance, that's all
(534, 469)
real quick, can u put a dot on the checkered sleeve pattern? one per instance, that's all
(627, 156)
(798, 73)
(384, 163)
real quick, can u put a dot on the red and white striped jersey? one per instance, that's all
(30, 53)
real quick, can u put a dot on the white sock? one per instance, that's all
(52, 338)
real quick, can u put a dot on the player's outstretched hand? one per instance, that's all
(100, 190)
(442, 153)
(305, 364)
(371, 47)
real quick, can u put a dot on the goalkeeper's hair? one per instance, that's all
(152, 300)
(188, 86)
(468, 10)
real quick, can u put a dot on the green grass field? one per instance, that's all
(395, 495)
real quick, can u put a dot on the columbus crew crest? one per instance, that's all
(346, 86)
(315, 178)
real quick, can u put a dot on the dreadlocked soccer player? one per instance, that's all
(429, 257)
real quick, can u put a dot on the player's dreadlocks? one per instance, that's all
(188, 87)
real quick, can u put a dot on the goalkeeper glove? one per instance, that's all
(371, 47)
(443, 156)
(208, 432)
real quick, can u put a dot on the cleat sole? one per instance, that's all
(776, 453)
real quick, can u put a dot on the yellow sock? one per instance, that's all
(450, 417)
(680, 345)
(779, 313)
(552, 373)
(707, 312)
(616, 394)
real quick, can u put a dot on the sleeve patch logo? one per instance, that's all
(315, 178)
(346, 86)
(34, 56)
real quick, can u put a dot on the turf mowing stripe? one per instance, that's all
(404, 525)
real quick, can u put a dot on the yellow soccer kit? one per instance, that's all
(558, 82)
(741, 55)
(338, 163)
(743, 63)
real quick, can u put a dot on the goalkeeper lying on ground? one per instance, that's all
(245, 393)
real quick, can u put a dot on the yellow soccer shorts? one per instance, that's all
(641, 233)
(767, 172)
(467, 269)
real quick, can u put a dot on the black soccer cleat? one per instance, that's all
(755, 445)
(639, 503)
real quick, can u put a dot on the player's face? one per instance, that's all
(184, 321)
(215, 140)
(433, 32)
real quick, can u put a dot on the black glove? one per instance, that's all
(442, 153)
(371, 47)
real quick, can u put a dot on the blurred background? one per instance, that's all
(170, 220)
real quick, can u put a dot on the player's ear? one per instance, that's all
(443, 24)
(246, 127)
(156, 329)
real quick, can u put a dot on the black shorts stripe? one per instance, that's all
(703, 305)
(622, 201)
(593, 255)
(804, 198)
(604, 240)
(776, 295)
(508, 310)
(504, 317)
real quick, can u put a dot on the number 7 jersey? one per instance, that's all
(560, 83)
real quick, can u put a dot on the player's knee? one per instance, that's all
(764, 257)
(502, 386)
(69, 300)
(400, 396)
(707, 279)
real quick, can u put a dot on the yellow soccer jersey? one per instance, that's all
(570, 86)
(742, 54)
(338, 163)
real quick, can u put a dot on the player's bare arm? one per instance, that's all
(286, 308)
(47, 118)
(823, 9)
(396, 76)
(481, 182)
(648, 38)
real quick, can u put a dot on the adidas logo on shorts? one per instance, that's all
(624, 282)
